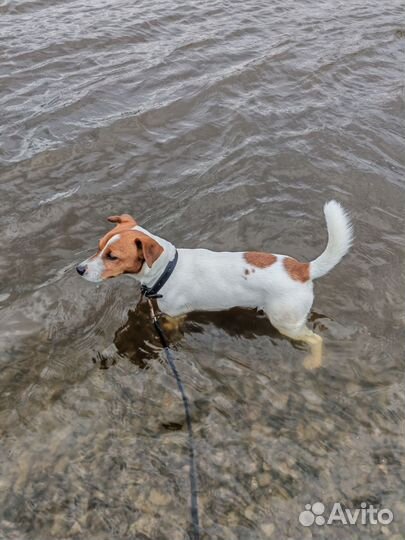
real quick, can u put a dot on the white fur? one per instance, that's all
(340, 238)
(95, 265)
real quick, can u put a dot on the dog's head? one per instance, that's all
(123, 250)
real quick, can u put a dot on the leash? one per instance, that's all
(191, 447)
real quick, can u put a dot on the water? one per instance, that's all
(222, 125)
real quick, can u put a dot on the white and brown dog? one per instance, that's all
(200, 279)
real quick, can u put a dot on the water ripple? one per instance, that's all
(217, 125)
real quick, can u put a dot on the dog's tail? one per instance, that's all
(340, 238)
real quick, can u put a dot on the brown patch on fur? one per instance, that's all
(260, 259)
(124, 223)
(132, 249)
(148, 247)
(247, 272)
(296, 270)
(123, 218)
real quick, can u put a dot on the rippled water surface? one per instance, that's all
(224, 125)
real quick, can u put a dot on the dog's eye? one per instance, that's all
(111, 257)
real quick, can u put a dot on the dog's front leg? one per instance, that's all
(173, 324)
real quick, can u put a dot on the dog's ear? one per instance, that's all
(123, 219)
(148, 249)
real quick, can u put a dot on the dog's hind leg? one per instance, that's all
(315, 341)
(314, 359)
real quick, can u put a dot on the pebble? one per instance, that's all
(264, 479)
(268, 529)
(144, 525)
(159, 498)
(250, 467)
(311, 396)
(280, 401)
(254, 484)
(58, 526)
(6, 524)
(233, 519)
(400, 507)
(250, 512)
(76, 529)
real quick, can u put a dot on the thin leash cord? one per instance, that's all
(191, 446)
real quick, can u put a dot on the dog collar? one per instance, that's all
(152, 292)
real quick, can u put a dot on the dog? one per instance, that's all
(187, 280)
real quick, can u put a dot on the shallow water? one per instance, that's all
(221, 125)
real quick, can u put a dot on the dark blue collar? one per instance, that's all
(152, 292)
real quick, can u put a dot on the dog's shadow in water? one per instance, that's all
(137, 341)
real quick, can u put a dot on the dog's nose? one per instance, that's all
(81, 269)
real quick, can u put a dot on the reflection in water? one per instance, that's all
(137, 340)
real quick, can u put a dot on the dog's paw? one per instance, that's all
(312, 362)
